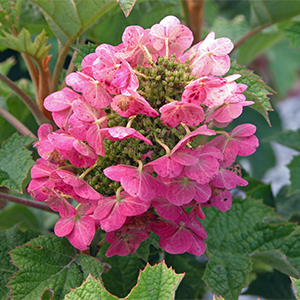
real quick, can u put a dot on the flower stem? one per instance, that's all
(16, 123)
(26, 202)
(39, 117)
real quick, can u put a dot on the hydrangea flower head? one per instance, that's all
(138, 144)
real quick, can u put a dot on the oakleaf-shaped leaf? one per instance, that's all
(23, 43)
(49, 263)
(9, 13)
(127, 6)
(9, 239)
(70, 18)
(15, 162)
(257, 90)
(247, 229)
(155, 282)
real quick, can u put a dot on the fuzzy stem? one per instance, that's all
(26, 202)
(16, 123)
(39, 117)
(32, 71)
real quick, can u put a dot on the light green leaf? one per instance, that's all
(155, 282)
(294, 167)
(257, 90)
(127, 6)
(49, 263)
(23, 43)
(9, 239)
(15, 162)
(265, 12)
(248, 228)
(296, 285)
(9, 13)
(68, 19)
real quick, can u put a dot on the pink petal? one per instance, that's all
(64, 226)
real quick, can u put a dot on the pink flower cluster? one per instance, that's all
(162, 193)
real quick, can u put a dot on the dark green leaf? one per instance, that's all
(15, 162)
(143, 251)
(9, 239)
(294, 167)
(127, 268)
(257, 90)
(84, 50)
(127, 6)
(287, 138)
(267, 12)
(49, 263)
(19, 214)
(248, 227)
(287, 206)
(273, 286)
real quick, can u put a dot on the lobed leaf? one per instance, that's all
(15, 162)
(23, 43)
(257, 90)
(248, 231)
(49, 263)
(127, 6)
(9, 239)
(155, 282)
(296, 285)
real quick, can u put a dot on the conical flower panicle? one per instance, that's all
(128, 146)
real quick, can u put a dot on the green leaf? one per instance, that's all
(10, 13)
(294, 167)
(15, 162)
(68, 19)
(287, 138)
(287, 206)
(274, 285)
(192, 285)
(143, 251)
(257, 90)
(90, 289)
(23, 43)
(19, 214)
(127, 268)
(292, 32)
(9, 239)
(296, 285)
(127, 6)
(233, 237)
(265, 12)
(233, 29)
(49, 263)
(155, 282)
(83, 51)
(257, 44)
